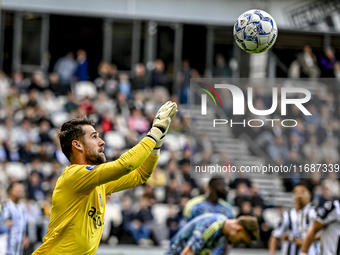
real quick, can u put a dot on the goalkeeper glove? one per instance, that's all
(161, 123)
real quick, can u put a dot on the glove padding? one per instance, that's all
(161, 123)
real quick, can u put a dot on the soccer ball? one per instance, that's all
(255, 31)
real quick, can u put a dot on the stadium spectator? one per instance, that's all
(18, 81)
(328, 61)
(158, 178)
(172, 222)
(278, 151)
(87, 106)
(66, 68)
(38, 82)
(56, 86)
(49, 102)
(183, 79)
(138, 122)
(82, 71)
(139, 81)
(158, 76)
(34, 190)
(172, 193)
(221, 68)
(311, 149)
(124, 85)
(305, 65)
(123, 107)
(137, 226)
(71, 105)
(106, 82)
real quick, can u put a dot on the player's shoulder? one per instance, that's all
(215, 217)
(224, 203)
(76, 167)
(191, 203)
(326, 208)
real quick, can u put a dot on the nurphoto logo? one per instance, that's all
(238, 103)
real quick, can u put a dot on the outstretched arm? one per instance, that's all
(136, 178)
(310, 237)
(88, 177)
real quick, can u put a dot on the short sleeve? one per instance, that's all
(326, 213)
(282, 227)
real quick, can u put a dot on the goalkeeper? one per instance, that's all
(78, 202)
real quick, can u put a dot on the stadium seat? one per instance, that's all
(114, 139)
(59, 118)
(85, 89)
(173, 142)
(160, 212)
(17, 170)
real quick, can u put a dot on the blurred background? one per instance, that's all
(117, 61)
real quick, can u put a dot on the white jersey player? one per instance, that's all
(295, 224)
(327, 220)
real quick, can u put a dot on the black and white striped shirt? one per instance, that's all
(305, 218)
(296, 224)
(18, 214)
(288, 226)
(329, 215)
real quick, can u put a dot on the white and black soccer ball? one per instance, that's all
(255, 31)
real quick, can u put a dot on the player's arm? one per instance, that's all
(187, 251)
(135, 178)
(88, 177)
(272, 244)
(278, 233)
(311, 236)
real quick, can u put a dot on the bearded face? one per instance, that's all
(94, 156)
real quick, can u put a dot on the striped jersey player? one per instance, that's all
(328, 222)
(295, 224)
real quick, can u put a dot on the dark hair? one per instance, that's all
(11, 186)
(305, 184)
(214, 180)
(72, 130)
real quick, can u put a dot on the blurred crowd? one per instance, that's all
(123, 106)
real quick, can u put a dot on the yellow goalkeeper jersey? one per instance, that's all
(78, 202)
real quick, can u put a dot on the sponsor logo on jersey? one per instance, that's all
(90, 167)
(93, 214)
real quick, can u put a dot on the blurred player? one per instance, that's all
(328, 220)
(213, 201)
(78, 203)
(295, 224)
(206, 232)
(17, 214)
